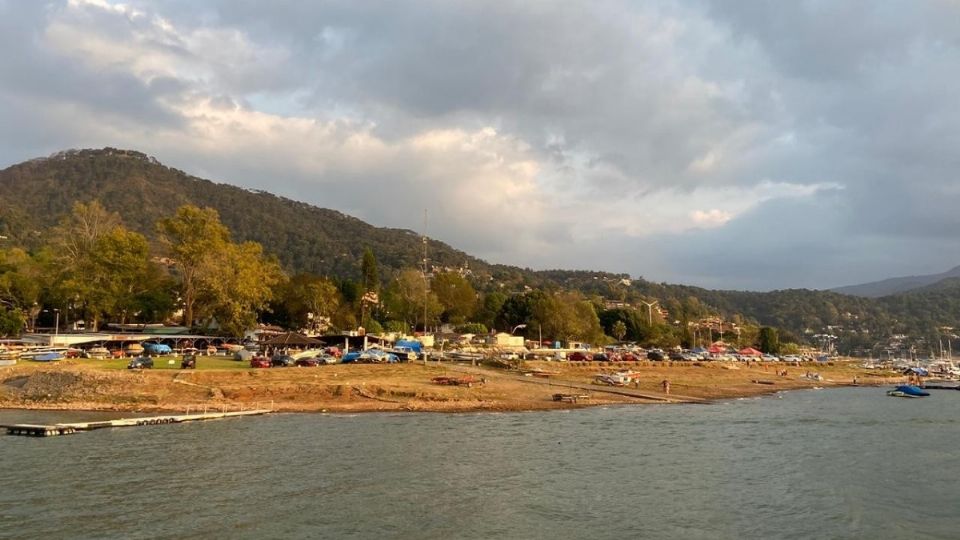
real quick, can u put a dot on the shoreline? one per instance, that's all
(75, 386)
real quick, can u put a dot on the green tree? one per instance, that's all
(455, 295)
(22, 278)
(195, 239)
(619, 330)
(769, 340)
(489, 308)
(520, 309)
(473, 328)
(119, 269)
(369, 272)
(305, 300)
(101, 267)
(242, 286)
(12, 321)
(405, 299)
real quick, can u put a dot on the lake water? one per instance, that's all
(840, 463)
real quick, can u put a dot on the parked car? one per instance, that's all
(189, 362)
(655, 355)
(629, 357)
(282, 360)
(307, 362)
(675, 355)
(259, 362)
(601, 357)
(141, 362)
(328, 359)
(579, 356)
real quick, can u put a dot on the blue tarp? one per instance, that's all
(411, 344)
(157, 348)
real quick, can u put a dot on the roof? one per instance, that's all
(292, 338)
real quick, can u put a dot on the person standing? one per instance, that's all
(666, 386)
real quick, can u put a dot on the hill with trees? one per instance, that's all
(323, 250)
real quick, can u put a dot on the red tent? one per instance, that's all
(749, 351)
(717, 348)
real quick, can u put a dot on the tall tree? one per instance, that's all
(305, 300)
(193, 237)
(769, 340)
(241, 287)
(78, 231)
(489, 308)
(370, 273)
(456, 295)
(371, 287)
(99, 266)
(405, 299)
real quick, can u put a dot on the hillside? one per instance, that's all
(886, 287)
(304, 237)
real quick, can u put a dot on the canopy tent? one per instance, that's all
(916, 371)
(292, 339)
(749, 351)
(717, 348)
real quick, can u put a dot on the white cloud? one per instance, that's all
(534, 133)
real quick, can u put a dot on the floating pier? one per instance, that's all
(50, 430)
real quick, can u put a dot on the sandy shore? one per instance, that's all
(72, 385)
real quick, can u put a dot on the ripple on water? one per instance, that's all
(812, 464)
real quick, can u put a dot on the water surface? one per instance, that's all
(841, 463)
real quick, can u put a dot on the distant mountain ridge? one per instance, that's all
(887, 287)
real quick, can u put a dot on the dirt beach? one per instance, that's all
(79, 385)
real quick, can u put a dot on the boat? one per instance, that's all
(908, 391)
(47, 357)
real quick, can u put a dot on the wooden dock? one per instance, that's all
(50, 430)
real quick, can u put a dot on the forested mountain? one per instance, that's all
(36, 194)
(886, 287)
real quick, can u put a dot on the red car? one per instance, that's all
(307, 362)
(629, 357)
(259, 362)
(579, 357)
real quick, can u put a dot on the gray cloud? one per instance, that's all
(747, 145)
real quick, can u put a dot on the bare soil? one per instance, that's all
(393, 387)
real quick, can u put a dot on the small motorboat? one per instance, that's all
(48, 357)
(908, 391)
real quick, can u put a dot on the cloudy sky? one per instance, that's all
(749, 144)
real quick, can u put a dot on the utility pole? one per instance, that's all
(426, 284)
